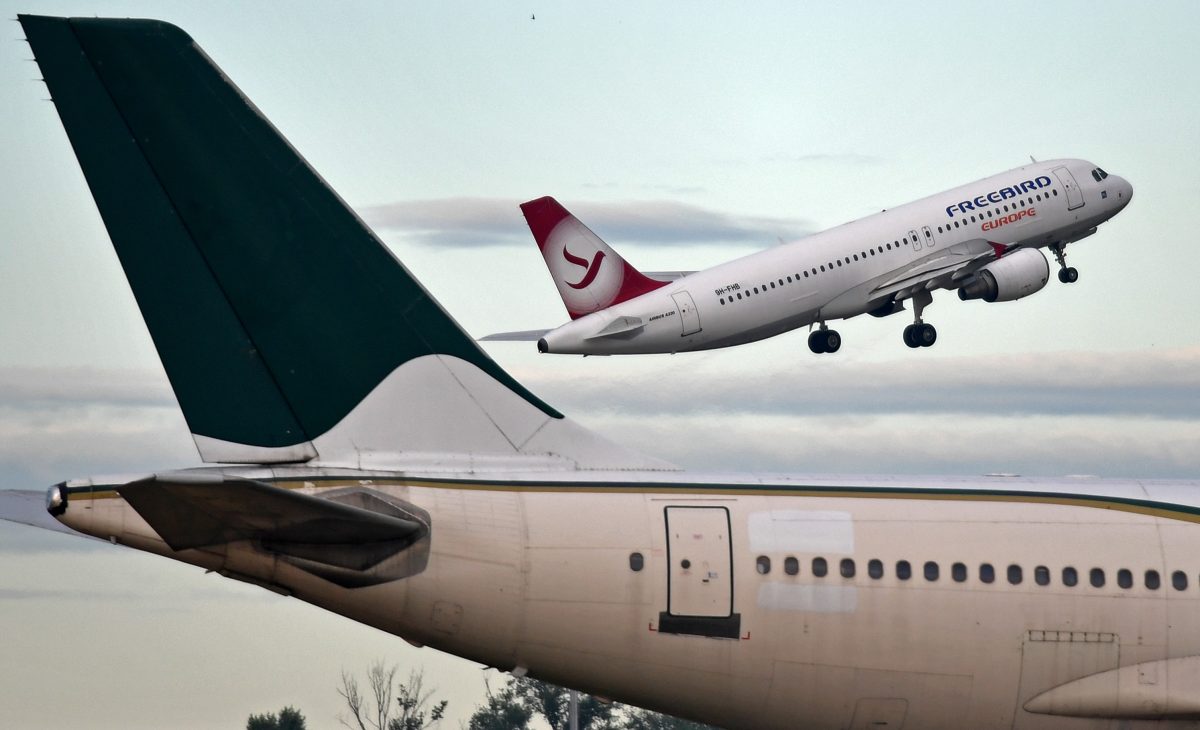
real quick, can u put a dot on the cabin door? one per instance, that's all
(1074, 194)
(699, 574)
(688, 315)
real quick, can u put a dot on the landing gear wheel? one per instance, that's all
(824, 341)
(920, 335)
(925, 335)
(1069, 275)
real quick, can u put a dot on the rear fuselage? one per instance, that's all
(705, 598)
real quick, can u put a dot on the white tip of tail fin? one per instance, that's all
(589, 274)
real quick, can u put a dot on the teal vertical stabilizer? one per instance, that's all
(274, 309)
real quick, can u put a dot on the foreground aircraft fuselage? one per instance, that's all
(390, 471)
(981, 239)
(780, 603)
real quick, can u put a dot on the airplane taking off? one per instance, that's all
(981, 239)
(369, 458)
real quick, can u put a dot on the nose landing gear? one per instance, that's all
(1066, 274)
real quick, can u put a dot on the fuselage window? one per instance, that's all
(1015, 574)
(1055, 192)
(856, 257)
(1152, 580)
(889, 247)
(847, 259)
(875, 569)
(939, 229)
(636, 562)
(956, 224)
(763, 564)
(872, 252)
(973, 219)
(1041, 575)
(1179, 580)
(789, 278)
(820, 567)
(987, 573)
(1070, 576)
(1039, 197)
(1096, 577)
(847, 568)
(1124, 578)
(815, 271)
(958, 572)
(839, 262)
(755, 290)
(931, 571)
(805, 274)
(791, 566)
(896, 244)
(772, 285)
(781, 281)
(864, 254)
(903, 570)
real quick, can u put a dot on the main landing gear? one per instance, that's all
(1066, 274)
(824, 340)
(920, 334)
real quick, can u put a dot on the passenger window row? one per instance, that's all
(863, 255)
(813, 272)
(1014, 574)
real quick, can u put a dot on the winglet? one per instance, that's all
(588, 273)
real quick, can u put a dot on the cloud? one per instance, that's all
(479, 222)
(1148, 384)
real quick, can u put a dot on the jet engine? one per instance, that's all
(1016, 275)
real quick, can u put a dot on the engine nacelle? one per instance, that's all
(1017, 275)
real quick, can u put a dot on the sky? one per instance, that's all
(683, 134)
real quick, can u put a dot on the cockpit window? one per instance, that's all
(1096, 175)
(1103, 174)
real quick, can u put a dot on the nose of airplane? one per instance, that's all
(1123, 188)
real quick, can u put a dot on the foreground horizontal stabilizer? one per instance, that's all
(347, 537)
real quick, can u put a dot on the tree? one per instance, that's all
(635, 718)
(503, 711)
(289, 718)
(523, 697)
(375, 710)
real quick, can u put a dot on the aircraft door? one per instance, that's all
(699, 573)
(1074, 194)
(929, 240)
(688, 315)
(916, 240)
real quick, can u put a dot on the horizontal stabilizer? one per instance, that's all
(347, 538)
(620, 326)
(668, 275)
(521, 336)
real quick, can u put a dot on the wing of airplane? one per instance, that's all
(949, 264)
(353, 537)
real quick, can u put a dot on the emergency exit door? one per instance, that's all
(699, 573)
